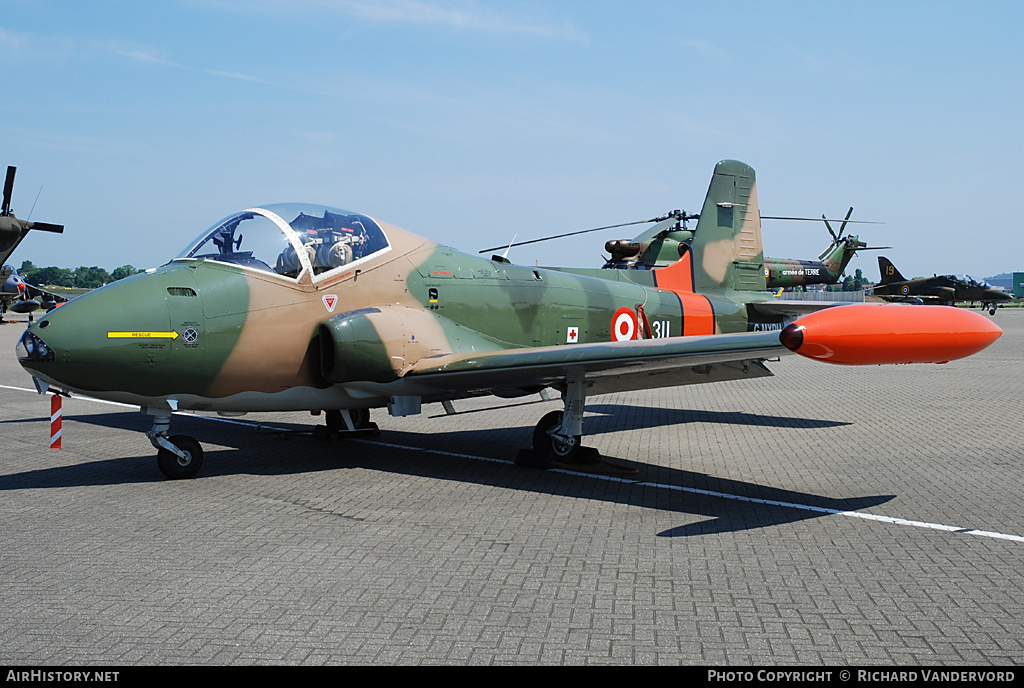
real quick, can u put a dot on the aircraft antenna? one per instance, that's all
(505, 254)
(29, 217)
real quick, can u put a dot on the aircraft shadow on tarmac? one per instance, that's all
(622, 418)
(287, 449)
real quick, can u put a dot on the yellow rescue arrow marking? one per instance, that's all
(142, 335)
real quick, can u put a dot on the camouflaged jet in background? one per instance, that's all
(945, 289)
(18, 296)
(309, 308)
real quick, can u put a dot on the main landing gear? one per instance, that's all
(341, 422)
(557, 437)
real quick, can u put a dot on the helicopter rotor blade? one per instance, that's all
(559, 236)
(679, 215)
(829, 228)
(47, 227)
(8, 187)
(845, 220)
(819, 219)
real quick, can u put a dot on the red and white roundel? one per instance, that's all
(624, 325)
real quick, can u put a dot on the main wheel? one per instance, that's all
(176, 467)
(546, 445)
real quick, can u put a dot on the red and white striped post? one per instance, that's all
(55, 414)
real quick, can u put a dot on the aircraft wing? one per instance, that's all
(608, 367)
(40, 294)
(913, 298)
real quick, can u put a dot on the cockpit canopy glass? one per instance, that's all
(289, 238)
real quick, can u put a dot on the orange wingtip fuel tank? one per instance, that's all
(874, 334)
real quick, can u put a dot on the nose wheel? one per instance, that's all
(178, 456)
(186, 464)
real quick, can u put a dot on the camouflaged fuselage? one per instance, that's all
(244, 339)
(228, 331)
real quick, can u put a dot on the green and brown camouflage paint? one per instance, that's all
(232, 331)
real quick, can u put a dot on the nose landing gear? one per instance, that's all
(185, 465)
(178, 457)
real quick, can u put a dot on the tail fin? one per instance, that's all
(726, 247)
(888, 271)
(841, 254)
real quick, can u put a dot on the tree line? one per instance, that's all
(82, 277)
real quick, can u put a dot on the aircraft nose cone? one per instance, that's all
(32, 349)
(77, 347)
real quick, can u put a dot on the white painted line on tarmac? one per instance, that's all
(628, 481)
(726, 495)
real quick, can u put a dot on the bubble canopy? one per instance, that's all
(289, 239)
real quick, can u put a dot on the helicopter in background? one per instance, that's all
(15, 294)
(669, 238)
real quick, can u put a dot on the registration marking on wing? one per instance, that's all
(142, 335)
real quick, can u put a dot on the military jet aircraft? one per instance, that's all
(309, 308)
(944, 289)
(21, 297)
(13, 230)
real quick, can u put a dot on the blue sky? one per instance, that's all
(471, 122)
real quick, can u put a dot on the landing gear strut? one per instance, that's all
(558, 435)
(341, 422)
(179, 456)
(358, 419)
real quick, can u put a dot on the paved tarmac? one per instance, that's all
(827, 515)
